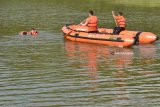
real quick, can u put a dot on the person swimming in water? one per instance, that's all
(33, 32)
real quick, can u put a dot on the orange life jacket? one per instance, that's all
(121, 21)
(92, 23)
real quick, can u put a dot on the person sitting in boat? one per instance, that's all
(120, 22)
(90, 24)
(33, 32)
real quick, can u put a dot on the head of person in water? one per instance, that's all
(24, 33)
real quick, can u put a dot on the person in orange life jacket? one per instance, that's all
(91, 22)
(121, 21)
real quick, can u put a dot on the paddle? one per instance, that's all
(74, 28)
(114, 18)
(70, 31)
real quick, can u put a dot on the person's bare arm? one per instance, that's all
(84, 23)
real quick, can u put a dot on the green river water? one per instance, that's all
(48, 71)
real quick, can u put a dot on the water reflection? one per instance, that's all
(108, 70)
(95, 58)
(94, 54)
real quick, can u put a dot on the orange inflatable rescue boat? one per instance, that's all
(78, 33)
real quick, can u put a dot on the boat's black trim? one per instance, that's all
(157, 38)
(137, 37)
(110, 39)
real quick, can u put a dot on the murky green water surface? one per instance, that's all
(49, 71)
